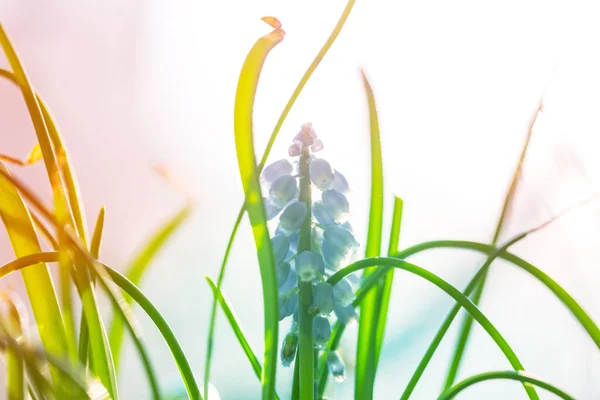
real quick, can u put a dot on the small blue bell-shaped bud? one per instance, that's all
(287, 305)
(321, 214)
(283, 272)
(340, 237)
(280, 244)
(323, 301)
(346, 315)
(317, 238)
(336, 204)
(283, 190)
(336, 366)
(294, 241)
(343, 293)
(271, 209)
(288, 348)
(316, 146)
(295, 150)
(321, 331)
(340, 183)
(276, 170)
(306, 136)
(334, 257)
(319, 260)
(321, 174)
(307, 266)
(339, 245)
(292, 217)
(346, 225)
(290, 283)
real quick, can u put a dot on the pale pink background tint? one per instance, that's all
(135, 83)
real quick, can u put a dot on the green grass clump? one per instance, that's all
(83, 362)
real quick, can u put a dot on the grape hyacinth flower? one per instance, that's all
(312, 240)
(336, 366)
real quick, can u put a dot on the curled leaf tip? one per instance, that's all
(273, 22)
(34, 155)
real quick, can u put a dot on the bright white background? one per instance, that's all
(134, 83)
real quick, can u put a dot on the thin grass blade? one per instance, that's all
(386, 291)
(465, 329)
(450, 290)
(55, 163)
(578, 312)
(15, 367)
(520, 376)
(138, 267)
(138, 296)
(84, 338)
(237, 330)
(366, 348)
(243, 114)
(38, 283)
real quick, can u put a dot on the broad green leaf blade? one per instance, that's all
(243, 113)
(237, 330)
(366, 348)
(386, 291)
(38, 283)
(465, 329)
(520, 376)
(292, 100)
(138, 267)
(578, 312)
(450, 290)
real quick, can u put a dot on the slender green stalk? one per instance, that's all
(465, 328)
(306, 346)
(520, 376)
(286, 110)
(367, 346)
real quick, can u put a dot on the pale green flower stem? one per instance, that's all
(305, 319)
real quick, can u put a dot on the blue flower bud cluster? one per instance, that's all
(333, 243)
